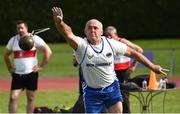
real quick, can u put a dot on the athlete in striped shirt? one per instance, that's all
(25, 69)
(95, 54)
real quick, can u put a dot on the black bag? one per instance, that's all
(43, 109)
(129, 86)
(139, 79)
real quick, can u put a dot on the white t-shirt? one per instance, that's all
(24, 61)
(97, 62)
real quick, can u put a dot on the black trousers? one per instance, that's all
(124, 77)
(79, 105)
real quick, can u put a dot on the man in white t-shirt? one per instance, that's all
(95, 54)
(24, 72)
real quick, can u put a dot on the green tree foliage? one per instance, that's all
(133, 18)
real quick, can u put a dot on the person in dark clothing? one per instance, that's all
(79, 105)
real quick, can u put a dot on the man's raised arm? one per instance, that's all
(63, 28)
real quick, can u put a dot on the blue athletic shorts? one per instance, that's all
(96, 100)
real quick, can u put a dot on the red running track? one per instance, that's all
(46, 83)
(61, 83)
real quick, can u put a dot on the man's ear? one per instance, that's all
(101, 32)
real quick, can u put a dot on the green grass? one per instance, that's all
(61, 65)
(61, 61)
(171, 104)
(68, 98)
(165, 52)
(43, 98)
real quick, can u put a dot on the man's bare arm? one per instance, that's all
(135, 47)
(63, 28)
(10, 68)
(46, 57)
(142, 59)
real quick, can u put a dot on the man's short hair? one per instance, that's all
(20, 22)
(110, 29)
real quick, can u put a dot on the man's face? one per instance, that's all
(93, 29)
(22, 29)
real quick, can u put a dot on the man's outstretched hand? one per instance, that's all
(160, 70)
(57, 14)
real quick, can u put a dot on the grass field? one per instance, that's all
(165, 52)
(44, 98)
(68, 98)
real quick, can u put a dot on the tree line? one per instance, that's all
(133, 18)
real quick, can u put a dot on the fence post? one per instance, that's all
(173, 62)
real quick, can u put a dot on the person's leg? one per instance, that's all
(126, 103)
(30, 101)
(123, 77)
(81, 80)
(16, 88)
(117, 108)
(114, 98)
(93, 102)
(13, 100)
(31, 87)
(79, 105)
